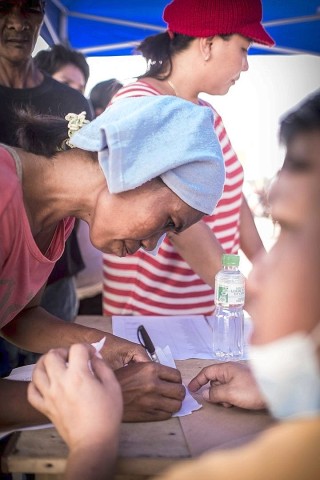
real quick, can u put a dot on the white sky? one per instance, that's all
(252, 108)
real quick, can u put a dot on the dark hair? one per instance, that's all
(52, 60)
(31, 6)
(304, 118)
(158, 50)
(102, 92)
(40, 134)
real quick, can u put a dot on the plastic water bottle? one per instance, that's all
(228, 320)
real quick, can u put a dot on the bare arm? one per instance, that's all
(199, 247)
(151, 391)
(15, 411)
(93, 461)
(250, 241)
(36, 330)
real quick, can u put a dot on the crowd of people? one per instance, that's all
(72, 192)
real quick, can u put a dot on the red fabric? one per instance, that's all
(24, 269)
(205, 18)
(141, 284)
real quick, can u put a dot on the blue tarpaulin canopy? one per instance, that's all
(114, 27)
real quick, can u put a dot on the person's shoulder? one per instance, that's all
(205, 103)
(138, 88)
(218, 122)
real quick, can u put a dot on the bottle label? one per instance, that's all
(230, 294)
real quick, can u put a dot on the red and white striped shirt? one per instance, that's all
(142, 284)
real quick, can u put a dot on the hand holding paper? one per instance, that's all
(189, 404)
(164, 356)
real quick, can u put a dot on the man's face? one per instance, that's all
(20, 23)
(284, 284)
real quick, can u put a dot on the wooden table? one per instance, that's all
(145, 448)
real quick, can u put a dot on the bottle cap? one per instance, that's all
(230, 260)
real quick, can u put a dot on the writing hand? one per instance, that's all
(119, 352)
(151, 391)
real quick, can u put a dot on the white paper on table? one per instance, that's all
(4, 433)
(188, 336)
(23, 374)
(189, 404)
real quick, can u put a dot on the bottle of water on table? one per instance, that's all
(228, 320)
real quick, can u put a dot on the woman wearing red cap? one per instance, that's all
(203, 50)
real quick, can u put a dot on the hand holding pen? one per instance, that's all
(147, 343)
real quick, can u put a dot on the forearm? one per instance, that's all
(15, 409)
(94, 462)
(250, 241)
(36, 330)
(199, 247)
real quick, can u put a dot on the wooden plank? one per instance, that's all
(95, 321)
(37, 451)
(143, 467)
(216, 427)
(163, 439)
(148, 447)
(47, 476)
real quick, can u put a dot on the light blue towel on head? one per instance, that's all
(140, 138)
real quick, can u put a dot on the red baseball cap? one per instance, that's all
(205, 18)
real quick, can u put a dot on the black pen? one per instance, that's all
(147, 343)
